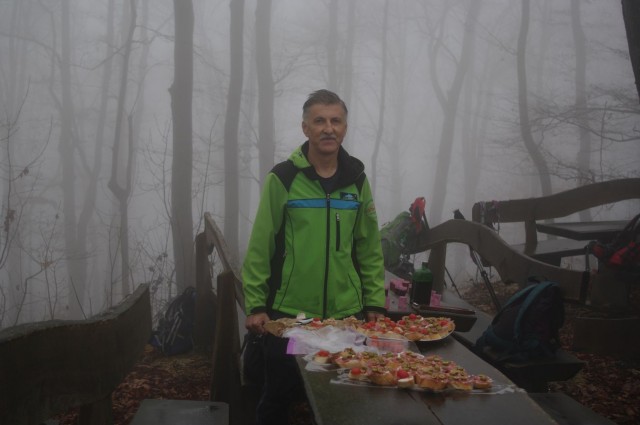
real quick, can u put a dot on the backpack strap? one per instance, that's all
(360, 181)
(286, 172)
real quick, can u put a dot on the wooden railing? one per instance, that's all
(510, 264)
(49, 367)
(227, 384)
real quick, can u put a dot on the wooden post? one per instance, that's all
(204, 327)
(226, 383)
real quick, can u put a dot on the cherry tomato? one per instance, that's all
(323, 353)
(401, 374)
(356, 371)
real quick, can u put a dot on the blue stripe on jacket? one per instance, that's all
(338, 204)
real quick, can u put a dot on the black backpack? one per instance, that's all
(175, 328)
(527, 326)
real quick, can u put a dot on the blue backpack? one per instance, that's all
(527, 326)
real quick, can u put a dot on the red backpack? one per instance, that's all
(623, 253)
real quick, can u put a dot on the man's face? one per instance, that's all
(325, 126)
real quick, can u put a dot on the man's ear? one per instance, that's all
(305, 128)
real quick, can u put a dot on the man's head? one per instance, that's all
(324, 122)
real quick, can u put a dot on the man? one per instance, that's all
(314, 248)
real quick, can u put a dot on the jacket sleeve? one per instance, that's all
(368, 252)
(256, 268)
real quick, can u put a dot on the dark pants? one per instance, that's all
(282, 383)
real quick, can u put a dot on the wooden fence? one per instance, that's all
(49, 367)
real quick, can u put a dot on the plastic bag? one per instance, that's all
(330, 338)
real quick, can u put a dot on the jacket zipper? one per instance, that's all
(326, 261)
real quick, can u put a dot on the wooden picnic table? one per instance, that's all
(335, 403)
(584, 230)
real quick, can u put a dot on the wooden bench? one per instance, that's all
(552, 251)
(530, 211)
(49, 367)
(533, 375)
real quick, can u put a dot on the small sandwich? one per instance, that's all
(321, 357)
(405, 380)
(482, 382)
(380, 376)
(358, 373)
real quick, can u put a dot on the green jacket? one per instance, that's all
(314, 252)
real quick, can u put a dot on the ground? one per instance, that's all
(609, 386)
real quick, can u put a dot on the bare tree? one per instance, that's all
(383, 95)
(448, 101)
(332, 47)
(122, 189)
(94, 172)
(67, 149)
(182, 167)
(523, 103)
(584, 152)
(631, 15)
(234, 100)
(349, 46)
(266, 89)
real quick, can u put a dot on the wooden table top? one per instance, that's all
(334, 403)
(584, 230)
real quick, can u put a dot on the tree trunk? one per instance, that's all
(232, 119)
(523, 104)
(332, 47)
(67, 149)
(449, 103)
(266, 131)
(89, 203)
(584, 153)
(181, 169)
(399, 101)
(383, 92)
(631, 16)
(122, 189)
(347, 62)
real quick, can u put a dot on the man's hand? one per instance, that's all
(255, 323)
(373, 316)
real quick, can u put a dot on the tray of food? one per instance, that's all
(405, 369)
(411, 327)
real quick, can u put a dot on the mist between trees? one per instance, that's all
(122, 122)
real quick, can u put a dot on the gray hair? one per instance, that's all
(322, 97)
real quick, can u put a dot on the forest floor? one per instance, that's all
(610, 386)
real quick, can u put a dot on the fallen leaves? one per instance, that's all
(609, 386)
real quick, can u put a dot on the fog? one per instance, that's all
(97, 168)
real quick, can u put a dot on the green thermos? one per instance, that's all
(421, 283)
